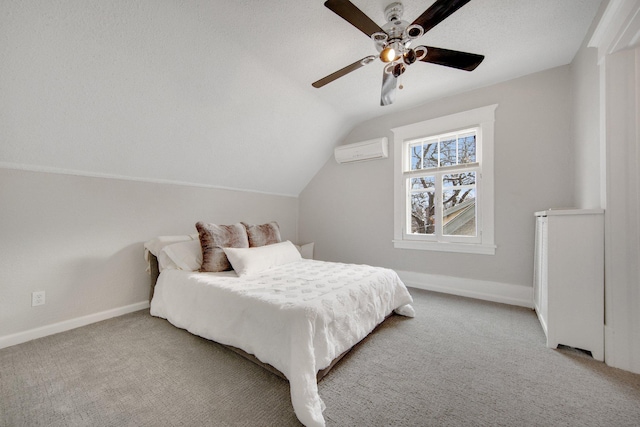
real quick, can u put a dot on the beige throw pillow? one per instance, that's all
(213, 238)
(263, 234)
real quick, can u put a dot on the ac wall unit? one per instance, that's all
(360, 151)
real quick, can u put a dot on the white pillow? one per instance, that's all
(165, 263)
(185, 255)
(155, 245)
(306, 250)
(248, 261)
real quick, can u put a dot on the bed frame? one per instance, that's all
(154, 272)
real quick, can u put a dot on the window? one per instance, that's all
(444, 183)
(441, 178)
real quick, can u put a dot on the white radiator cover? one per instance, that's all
(360, 151)
(568, 285)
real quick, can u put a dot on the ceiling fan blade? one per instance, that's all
(452, 58)
(389, 83)
(350, 13)
(438, 12)
(346, 70)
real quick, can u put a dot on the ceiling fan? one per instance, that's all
(393, 42)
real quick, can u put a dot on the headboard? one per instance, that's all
(154, 272)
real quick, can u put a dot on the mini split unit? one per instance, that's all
(360, 151)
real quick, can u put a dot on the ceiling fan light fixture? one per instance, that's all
(380, 38)
(421, 52)
(388, 69)
(414, 31)
(367, 60)
(398, 69)
(409, 56)
(388, 54)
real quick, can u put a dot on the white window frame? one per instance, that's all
(481, 118)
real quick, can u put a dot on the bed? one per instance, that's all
(296, 316)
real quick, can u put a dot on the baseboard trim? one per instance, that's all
(43, 331)
(479, 289)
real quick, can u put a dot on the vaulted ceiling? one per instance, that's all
(219, 93)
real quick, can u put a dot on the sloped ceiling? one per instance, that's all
(219, 93)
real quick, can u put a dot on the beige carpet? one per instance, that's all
(458, 362)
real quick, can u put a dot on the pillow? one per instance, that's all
(166, 263)
(215, 237)
(306, 250)
(250, 261)
(264, 234)
(155, 245)
(185, 255)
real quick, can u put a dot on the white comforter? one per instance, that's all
(297, 317)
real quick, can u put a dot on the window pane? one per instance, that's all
(459, 204)
(467, 148)
(448, 152)
(430, 155)
(422, 212)
(423, 182)
(415, 152)
(459, 179)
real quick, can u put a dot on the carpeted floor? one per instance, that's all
(459, 362)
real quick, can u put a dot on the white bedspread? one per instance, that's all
(297, 317)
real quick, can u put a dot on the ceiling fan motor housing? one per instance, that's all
(394, 41)
(397, 34)
(393, 12)
(401, 29)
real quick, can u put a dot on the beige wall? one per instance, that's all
(588, 157)
(81, 238)
(348, 209)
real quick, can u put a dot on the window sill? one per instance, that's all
(469, 248)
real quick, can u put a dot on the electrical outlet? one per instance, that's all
(37, 298)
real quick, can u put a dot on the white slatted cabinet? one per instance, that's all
(569, 278)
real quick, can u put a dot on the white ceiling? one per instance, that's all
(219, 93)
